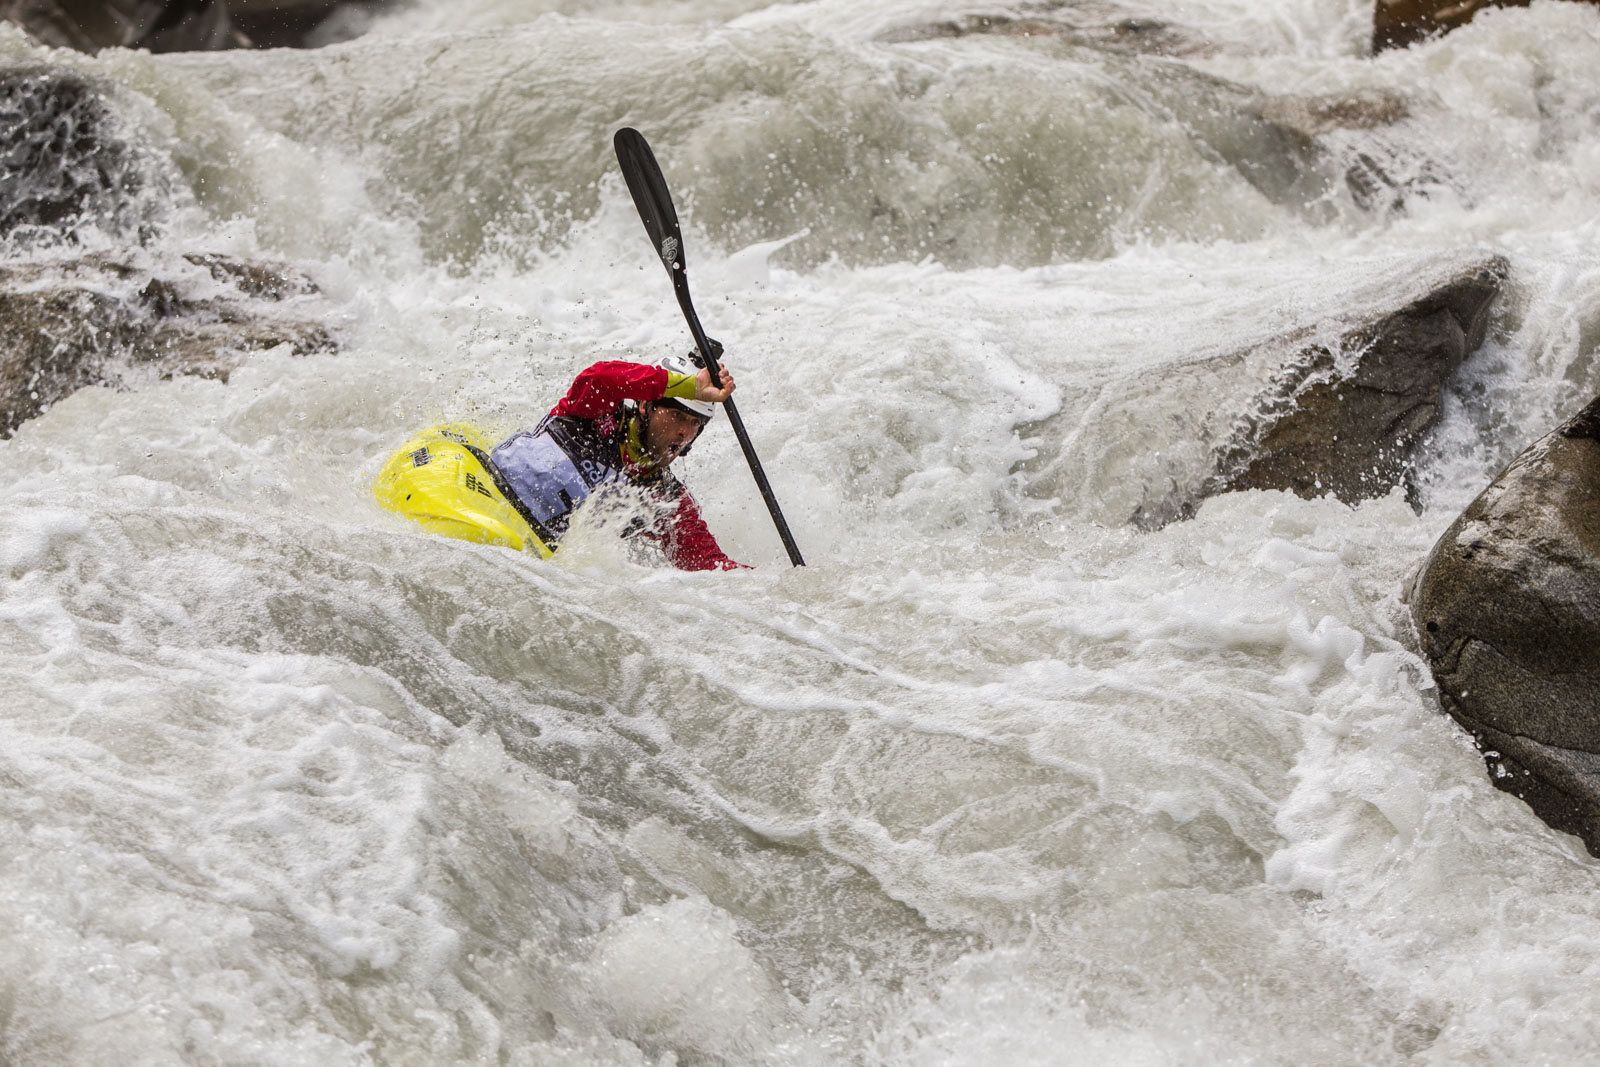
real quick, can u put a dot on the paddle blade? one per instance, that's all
(650, 196)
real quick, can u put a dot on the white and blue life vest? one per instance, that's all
(553, 468)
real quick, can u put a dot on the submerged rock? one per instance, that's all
(1310, 145)
(98, 320)
(1296, 150)
(1358, 134)
(301, 23)
(157, 25)
(65, 161)
(172, 25)
(1091, 23)
(1507, 606)
(1352, 397)
(1400, 23)
(1345, 420)
(73, 172)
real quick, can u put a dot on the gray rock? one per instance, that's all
(66, 162)
(1352, 398)
(1349, 426)
(174, 25)
(1361, 135)
(1401, 23)
(1092, 23)
(1297, 150)
(303, 23)
(156, 25)
(1507, 606)
(97, 320)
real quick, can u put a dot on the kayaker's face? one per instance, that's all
(668, 431)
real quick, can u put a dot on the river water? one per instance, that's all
(999, 778)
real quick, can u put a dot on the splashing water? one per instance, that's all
(997, 778)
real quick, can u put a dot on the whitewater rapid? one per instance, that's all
(998, 778)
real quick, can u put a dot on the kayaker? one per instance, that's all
(620, 423)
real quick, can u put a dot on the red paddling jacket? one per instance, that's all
(591, 439)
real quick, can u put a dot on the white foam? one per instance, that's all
(995, 779)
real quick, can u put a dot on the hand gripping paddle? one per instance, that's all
(654, 202)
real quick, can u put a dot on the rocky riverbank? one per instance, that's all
(177, 25)
(1508, 610)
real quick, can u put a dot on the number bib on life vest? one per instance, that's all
(545, 477)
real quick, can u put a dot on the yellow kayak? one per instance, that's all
(442, 479)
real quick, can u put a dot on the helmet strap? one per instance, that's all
(631, 436)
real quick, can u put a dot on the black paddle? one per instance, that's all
(654, 202)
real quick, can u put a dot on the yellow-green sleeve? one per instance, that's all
(680, 386)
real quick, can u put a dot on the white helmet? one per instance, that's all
(685, 365)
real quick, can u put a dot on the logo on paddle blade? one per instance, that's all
(669, 251)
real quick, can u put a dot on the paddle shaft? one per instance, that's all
(660, 218)
(756, 469)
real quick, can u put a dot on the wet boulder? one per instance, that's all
(1401, 23)
(173, 25)
(301, 23)
(1308, 151)
(103, 320)
(156, 25)
(1311, 152)
(1346, 418)
(1337, 405)
(67, 161)
(1507, 607)
(1359, 135)
(1098, 25)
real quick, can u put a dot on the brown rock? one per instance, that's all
(1354, 132)
(1401, 23)
(94, 320)
(1295, 149)
(65, 162)
(172, 25)
(1091, 23)
(1342, 417)
(1507, 606)
(269, 7)
(296, 23)
(273, 281)
(1347, 423)
(157, 25)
